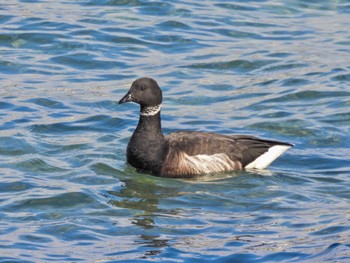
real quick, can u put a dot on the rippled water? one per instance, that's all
(276, 69)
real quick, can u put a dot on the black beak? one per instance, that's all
(126, 98)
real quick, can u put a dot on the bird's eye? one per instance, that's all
(143, 87)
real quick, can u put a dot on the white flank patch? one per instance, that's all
(210, 163)
(264, 160)
(151, 110)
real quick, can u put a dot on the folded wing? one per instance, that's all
(194, 153)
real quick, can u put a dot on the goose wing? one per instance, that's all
(193, 153)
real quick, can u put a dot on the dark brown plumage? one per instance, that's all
(189, 153)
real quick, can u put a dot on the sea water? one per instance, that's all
(275, 69)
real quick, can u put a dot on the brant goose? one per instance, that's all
(189, 153)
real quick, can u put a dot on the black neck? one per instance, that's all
(150, 126)
(147, 146)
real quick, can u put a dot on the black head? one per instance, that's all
(144, 91)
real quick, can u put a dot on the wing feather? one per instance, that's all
(193, 153)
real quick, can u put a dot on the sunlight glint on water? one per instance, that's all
(274, 69)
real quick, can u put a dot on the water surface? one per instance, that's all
(275, 69)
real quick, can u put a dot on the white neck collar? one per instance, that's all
(151, 110)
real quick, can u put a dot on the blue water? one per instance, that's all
(276, 69)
